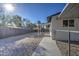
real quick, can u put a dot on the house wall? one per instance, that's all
(75, 28)
(53, 26)
(61, 33)
(57, 24)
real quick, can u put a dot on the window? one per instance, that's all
(65, 23)
(71, 23)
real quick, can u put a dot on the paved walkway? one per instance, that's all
(47, 47)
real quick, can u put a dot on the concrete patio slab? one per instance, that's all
(47, 47)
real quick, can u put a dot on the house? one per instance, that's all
(52, 22)
(67, 19)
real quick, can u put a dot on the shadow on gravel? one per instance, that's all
(23, 45)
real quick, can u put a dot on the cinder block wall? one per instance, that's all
(7, 32)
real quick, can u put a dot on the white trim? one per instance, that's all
(63, 9)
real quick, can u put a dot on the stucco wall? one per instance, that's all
(53, 26)
(57, 24)
(76, 24)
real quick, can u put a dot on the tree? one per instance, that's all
(26, 22)
(2, 20)
(39, 22)
(39, 26)
(17, 20)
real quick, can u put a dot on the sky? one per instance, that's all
(37, 11)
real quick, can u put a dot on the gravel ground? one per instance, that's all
(74, 48)
(23, 45)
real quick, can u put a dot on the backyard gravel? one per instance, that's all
(22, 45)
(74, 48)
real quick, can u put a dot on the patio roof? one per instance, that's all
(49, 17)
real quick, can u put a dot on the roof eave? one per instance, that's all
(63, 9)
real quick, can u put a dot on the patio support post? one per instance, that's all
(68, 39)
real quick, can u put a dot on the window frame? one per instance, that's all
(64, 23)
(71, 23)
